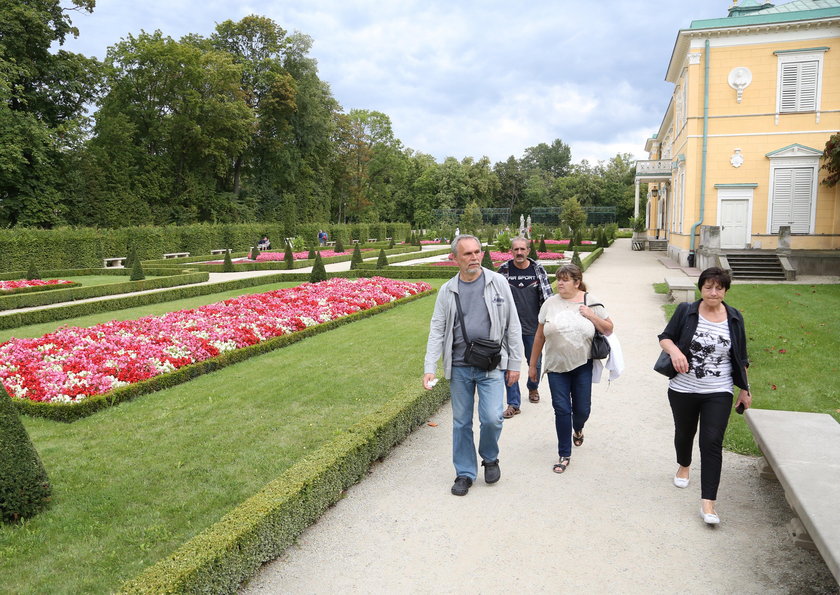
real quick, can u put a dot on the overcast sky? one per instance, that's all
(464, 78)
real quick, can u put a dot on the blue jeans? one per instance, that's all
(462, 386)
(514, 399)
(571, 396)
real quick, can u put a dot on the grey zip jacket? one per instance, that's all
(504, 324)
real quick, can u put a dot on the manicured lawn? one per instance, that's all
(132, 483)
(792, 335)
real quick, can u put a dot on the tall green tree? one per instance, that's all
(43, 95)
(554, 159)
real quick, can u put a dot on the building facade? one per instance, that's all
(736, 163)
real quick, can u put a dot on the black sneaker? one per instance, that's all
(461, 486)
(492, 473)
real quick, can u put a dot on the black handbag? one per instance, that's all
(664, 365)
(600, 344)
(481, 353)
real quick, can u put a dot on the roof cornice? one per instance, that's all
(684, 37)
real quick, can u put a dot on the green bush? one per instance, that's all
(357, 257)
(382, 261)
(289, 257)
(32, 272)
(24, 485)
(542, 244)
(319, 273)
(137, 273)
(227, 266)
(532, 251)
(311, 254)
(486, 261)
(339, 246)
(576, 259)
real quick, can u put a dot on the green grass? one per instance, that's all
(792, 334)
(132, 483)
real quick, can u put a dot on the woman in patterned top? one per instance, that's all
(708, 348)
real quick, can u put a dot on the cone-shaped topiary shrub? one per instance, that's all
(132, 256)
(382, 261)
(137, 273)
(289, 257)
(319, 273)
(255, 251)
(24, 485)
(576, 260)
(542, 245)
(227, 267)
(391, 243)
(409, 238)
(532, 253)
(357, 258)
(32, 272)
(339, 246)
(486, 261)
(311, 253)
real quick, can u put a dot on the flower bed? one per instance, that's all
(72, 363)
(12, 286)
(275, 256)
(566, 242)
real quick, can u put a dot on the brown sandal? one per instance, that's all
(577, 438)
(534, 396)
(510, 412)
(561, 466)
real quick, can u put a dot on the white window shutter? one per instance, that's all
(792, 191)
(798, 86)
(807, 86)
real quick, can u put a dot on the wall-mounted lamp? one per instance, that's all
(654, 192)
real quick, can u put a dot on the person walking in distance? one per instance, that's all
(475, 306)
(530, 287)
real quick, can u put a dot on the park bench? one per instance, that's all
(114, 263)
(330, 242)
(355, 241)
(176, 254)
(802, 451)
(681, 289)
(219, 251)
(372, 240)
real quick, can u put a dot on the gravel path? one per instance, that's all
(613, 522)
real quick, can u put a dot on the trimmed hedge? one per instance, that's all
(172, 279)
(68, 247)
(37, 289)
(223, 556)
(69, 412)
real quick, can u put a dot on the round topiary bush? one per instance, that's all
(24, 485)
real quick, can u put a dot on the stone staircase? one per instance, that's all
(657, 245)
(755, 265)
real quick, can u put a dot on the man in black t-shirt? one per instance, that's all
(530, 288)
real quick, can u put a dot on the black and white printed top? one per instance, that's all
(709, 362)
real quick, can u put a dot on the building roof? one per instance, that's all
(756, 12)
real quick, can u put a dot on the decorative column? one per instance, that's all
(636, 201)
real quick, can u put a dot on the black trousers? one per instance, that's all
(712, 411)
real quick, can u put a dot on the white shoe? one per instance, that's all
(710, 518)
(681, 482)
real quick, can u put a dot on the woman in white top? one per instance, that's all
(567, 323)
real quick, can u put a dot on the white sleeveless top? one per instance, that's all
(568, 335)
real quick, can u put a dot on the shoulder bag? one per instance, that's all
(600, 345)
(481, 353)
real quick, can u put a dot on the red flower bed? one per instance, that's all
(25, 283)
(72, 363)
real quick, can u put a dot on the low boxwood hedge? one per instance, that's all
(220, 558)
(36, 289)
(73, 293)
(68, 412)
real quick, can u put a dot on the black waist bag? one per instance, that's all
(481, 353)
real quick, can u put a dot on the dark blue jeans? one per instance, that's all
(571, 396)
(514, 399)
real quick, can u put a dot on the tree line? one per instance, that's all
(232, 127)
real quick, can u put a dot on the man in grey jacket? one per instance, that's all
(489, 313)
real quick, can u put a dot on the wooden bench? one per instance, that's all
(681, 289)
(176, 254)
(219, 251)
(802, 451)
(117, 262)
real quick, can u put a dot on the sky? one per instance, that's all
(463, 78)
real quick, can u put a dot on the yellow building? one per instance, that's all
(735, 168)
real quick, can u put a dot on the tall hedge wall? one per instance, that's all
(72, 248)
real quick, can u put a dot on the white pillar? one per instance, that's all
(636, 201)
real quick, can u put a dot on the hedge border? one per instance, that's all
(70, 412)
(223, 556)
(36, 289)
(70, 294)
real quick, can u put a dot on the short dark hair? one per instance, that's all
(716, 275)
